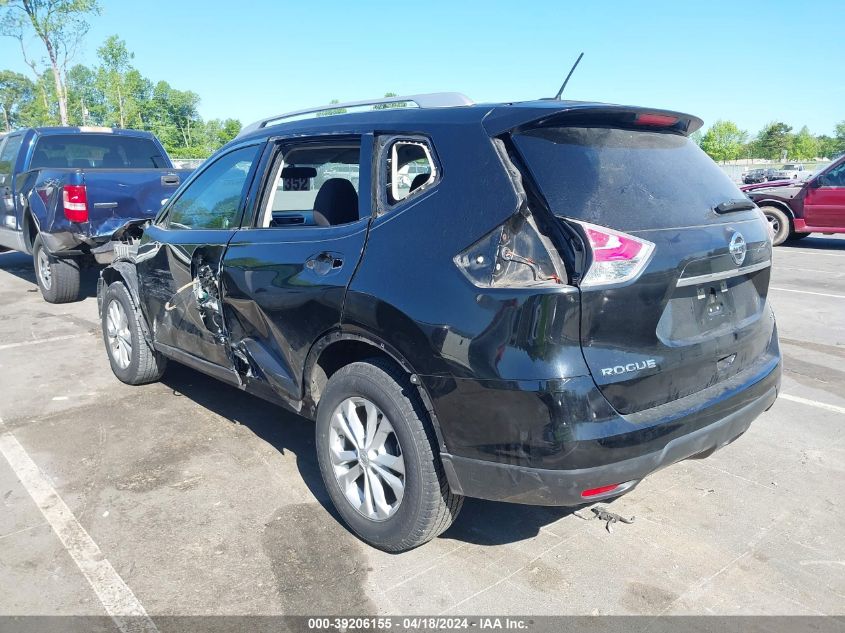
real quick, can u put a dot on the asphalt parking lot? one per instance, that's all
(188, 497)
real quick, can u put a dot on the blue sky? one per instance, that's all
(748, 61)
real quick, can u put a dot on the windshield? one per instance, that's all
(626, 179)
(96, 150)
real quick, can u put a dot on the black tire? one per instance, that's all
(57, 278)
(144, 364)
(780, 223)
(794, 237)
(428, 506)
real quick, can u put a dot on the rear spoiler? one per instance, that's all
(520, 117)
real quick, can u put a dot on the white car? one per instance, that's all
(790, 171)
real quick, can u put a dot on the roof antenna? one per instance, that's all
(566, 81)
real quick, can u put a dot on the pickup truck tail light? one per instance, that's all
(75, 199)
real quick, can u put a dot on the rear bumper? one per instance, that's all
(536, 486)
(544, 444)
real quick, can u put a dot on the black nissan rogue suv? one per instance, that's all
(537, 302)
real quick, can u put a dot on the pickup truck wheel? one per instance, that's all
(379, 459)
(58, 279)
(779, 224)
(132, 360)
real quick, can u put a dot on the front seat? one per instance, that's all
(336, 203)
(418, 181)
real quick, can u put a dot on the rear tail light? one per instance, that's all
(514, 254)
(75, 200)
(617, 257)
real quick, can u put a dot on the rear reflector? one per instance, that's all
(617, 257)
(656, 120)
(75, 201)
(593, 492)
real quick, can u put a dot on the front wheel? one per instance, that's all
(379, 459)
(778, 223)
(132, 360)
(57, 278)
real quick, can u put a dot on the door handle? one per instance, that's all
(324, 263)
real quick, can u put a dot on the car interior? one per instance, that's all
(317, 185)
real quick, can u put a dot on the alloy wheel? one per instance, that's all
(366, 458)
(119, 337)
(45, 273)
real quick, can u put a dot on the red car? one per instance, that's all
(796, 209)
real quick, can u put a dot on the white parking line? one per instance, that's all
(807, 292)
(813, 403)
(796, 251)
(117, 599)
(38, 341)
(812, 270)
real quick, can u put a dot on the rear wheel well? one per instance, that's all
(778, 205)
(341, 352)
(30, 229)
(336, 356)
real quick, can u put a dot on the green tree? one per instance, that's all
(805, 146)
(59, 25)
(85, 101)
(16, 91)
(774, 139)
(839, 138)
(114, 76)
(827, 145)
(386, 106)
(724, 141)
(332, 111)
(696, 137)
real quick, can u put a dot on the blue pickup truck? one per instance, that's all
(69, 195)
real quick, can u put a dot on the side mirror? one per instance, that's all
(815, 183)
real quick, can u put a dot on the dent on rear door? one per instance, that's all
(279, 299)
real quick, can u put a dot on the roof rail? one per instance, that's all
(430, 100)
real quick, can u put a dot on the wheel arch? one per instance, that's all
(339, 348)
(30, 227)
(124, 272)
(778, 204)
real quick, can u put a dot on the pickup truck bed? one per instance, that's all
(67, 193)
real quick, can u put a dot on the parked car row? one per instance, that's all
(68, 194)
(789, 171)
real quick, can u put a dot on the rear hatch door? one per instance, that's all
(696, 312)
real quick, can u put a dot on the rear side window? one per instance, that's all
(409, 168)
(96, 150)
(625, 179)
